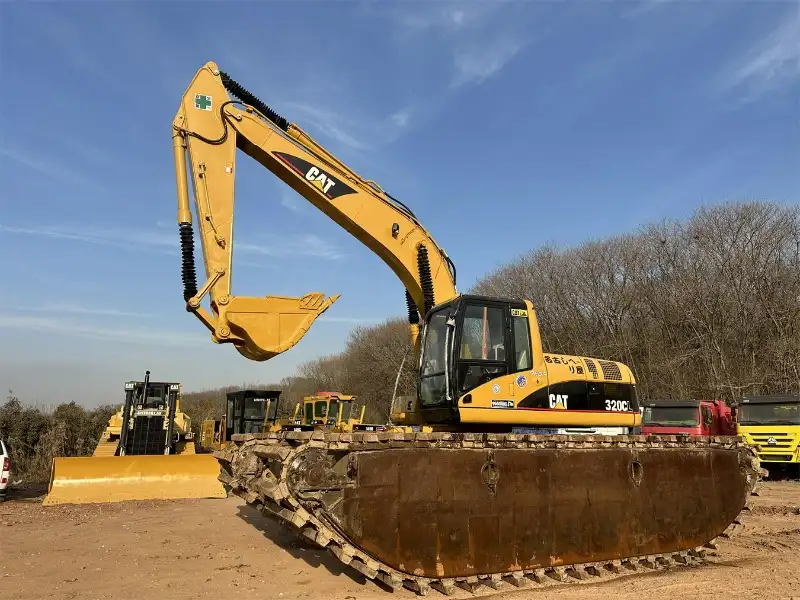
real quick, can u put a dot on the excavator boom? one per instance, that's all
(464, 487)
(209, 127)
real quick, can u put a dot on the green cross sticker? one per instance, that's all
(202, 102)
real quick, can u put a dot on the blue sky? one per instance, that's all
(503, 126)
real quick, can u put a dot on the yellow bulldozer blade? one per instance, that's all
(90, 479)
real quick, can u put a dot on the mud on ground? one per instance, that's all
(212, 549)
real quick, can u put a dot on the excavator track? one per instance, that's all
(445, 510)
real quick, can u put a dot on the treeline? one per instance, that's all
(36, 435)
(705, 308)
(708, 307)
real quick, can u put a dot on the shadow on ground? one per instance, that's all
(27, 492)
(283, 537)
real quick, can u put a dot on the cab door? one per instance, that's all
(483, 347)
(709, 427)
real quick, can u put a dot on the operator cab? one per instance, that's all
(250, 411)
(327, 408)
(154, 397)
(148, 417)
(674, 413)
(492, 338)
(778, 409)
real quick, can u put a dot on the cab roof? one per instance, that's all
(668, 402)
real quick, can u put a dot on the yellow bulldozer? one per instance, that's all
(463, 488)
(146, 452)
(333, 411)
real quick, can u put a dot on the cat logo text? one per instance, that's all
(331, 187)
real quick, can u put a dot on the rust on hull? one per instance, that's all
(447, 507)
(432, 512)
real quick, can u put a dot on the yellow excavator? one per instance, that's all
(464, 488)
(146, 452)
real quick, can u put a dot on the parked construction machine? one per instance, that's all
(449, 495)
(256, 411)
(688, 417)
(334, 411)
(146, 452)
(246, 411)
(771, 423)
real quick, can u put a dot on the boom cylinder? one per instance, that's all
(179, 154)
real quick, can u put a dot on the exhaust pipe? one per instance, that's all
(171, 402)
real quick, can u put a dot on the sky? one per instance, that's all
(503, 125)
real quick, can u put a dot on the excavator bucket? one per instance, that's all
(273, 324)
(83, 480)
(443, 509)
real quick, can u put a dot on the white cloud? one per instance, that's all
(137, 239)
(290, 199)
(773, 62)
(478, 37)
(80, 310)
(476, 63)
(292, 246)
(353, 320)
(643, 7)
(49, 168)
(159, 240)
(400, 118)
(481, 37)
(60, 326)
(356, 131)
(448, 17)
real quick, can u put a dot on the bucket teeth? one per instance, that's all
(303, 503)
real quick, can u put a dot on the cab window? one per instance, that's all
(238, 407)
(482, 337)
(320, 409)
(333, 412)
(482, 352)
(254, 408)
(230, 414)
(522, 343)
(432, 383)
(347, 410)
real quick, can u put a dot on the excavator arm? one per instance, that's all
(208, 128)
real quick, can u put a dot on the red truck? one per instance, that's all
(687, 417)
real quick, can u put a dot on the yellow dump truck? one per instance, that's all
(146, 452)
(246, 411)
(772, 425)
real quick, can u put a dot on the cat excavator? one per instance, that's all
(467, 487)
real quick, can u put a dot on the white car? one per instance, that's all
(5, 471)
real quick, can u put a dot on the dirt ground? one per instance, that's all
(211, 549)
